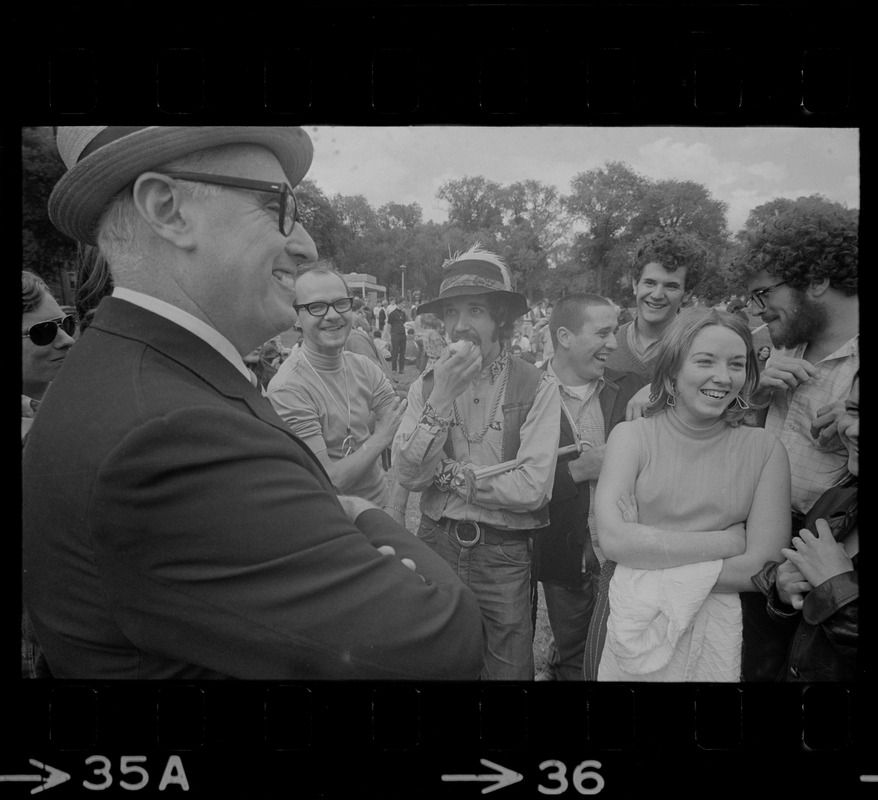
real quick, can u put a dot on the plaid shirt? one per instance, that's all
(814, 467)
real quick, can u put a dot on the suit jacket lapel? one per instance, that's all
(193, 353)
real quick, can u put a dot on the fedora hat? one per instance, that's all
(103, 160)
(475, 271)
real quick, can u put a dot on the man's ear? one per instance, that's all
(563, 336)
(161, 204)
(818, 288)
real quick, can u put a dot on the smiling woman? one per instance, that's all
(689, 506)
(46, 338)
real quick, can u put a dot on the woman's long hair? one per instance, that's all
(674, 347)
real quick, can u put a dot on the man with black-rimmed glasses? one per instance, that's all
(174, 527)
(339, 403)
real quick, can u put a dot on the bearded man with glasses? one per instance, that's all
(801, 273)
(339, 403)
(174, 527)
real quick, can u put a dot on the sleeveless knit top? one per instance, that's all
(697, 479)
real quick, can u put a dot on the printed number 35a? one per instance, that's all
(584, 772)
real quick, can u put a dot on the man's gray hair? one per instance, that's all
(122, 236)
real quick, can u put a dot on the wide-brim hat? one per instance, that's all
(103, 160)
(475, 271)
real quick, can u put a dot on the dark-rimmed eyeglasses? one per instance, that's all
(44, 333)
(757, 294)
(320, 309)
(288, 212)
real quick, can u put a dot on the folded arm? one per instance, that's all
(646, 546)
(239, 557)
(768, 525)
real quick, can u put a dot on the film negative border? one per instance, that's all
(452, 63)
(338, 740)
(449, 64)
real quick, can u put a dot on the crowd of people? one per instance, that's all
(200, 502)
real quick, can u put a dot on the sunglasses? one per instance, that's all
(44, 333)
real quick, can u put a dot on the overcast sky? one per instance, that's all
(744, 167)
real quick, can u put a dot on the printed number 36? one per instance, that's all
(581, 774)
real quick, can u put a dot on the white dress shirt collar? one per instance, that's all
(186, 320)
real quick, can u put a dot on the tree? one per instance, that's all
(474, 203)
(358, 225)
(607, 200)
(542, 206)
(519, 248)
(45, 250)
(774, 208)
(319, 218)
(397, 215)
(355, 214)
(686, 206)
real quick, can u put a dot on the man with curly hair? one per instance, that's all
(801, 273)
(666, 268)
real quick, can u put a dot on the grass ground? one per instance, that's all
(542, 634)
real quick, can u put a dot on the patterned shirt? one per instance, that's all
(418, 448)
(814, 467)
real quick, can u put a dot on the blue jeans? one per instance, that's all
(499, 577)
(569, 612)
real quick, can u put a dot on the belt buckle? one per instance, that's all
(468, 542)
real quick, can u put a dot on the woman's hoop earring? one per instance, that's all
(742, 404)
(671, 401)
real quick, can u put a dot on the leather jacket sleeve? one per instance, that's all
(834, 604)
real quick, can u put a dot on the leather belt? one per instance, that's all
(469, 534)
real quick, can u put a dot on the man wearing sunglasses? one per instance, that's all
(801, 273)
(339, 403)
(174, 527)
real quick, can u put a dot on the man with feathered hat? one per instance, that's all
(174, 527)
(479, 407)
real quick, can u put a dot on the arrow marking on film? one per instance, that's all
(56, 776)
(506, 777)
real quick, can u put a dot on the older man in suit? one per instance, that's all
(173, 526)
